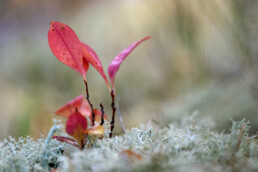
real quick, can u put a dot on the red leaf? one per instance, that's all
(66, 46)
(90, 55)
(70, 107)
(76, 124)
(98, 115)
(115, 64)
(67, 140)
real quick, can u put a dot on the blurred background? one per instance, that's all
(201, 61)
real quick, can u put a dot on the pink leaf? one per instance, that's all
(115, 64)
(91, 57)
(66, 46)
(76, 125)
(67, 140)
(70, 107)
(85, 108)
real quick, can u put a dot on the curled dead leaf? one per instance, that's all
(130, 156)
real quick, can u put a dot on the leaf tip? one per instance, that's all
(117, 61)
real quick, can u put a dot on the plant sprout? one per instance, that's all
(68, 49)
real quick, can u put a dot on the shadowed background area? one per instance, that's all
(201, 61)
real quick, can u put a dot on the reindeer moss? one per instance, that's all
(186, 147)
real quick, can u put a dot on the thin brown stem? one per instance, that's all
(102, 114)
(240, 138)
(112, 123)
(88, 99)
(239, 141)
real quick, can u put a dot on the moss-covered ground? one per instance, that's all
(188, 146)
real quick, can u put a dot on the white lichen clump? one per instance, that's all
(192, 147)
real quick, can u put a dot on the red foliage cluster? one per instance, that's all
(76, 111)
(67, 48)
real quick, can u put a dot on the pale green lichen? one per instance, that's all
(25, 154)
(191, 146)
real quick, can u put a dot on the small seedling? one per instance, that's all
(67, 48)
